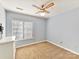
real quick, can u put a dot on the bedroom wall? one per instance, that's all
(63, 29)
(39, 27)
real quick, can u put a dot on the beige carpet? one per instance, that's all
(43, 50)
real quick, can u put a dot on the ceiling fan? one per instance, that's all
(44, 7)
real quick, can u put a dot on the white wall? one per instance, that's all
(39, 27)
(63, 29)
(2, 18)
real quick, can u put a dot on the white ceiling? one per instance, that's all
(60, 6)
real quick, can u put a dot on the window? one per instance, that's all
(27, 30)
(22, 30)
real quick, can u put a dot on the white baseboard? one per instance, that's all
(64, 48)
(31, 43)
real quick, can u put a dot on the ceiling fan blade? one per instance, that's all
(46, 11)
(46, 3)
(43, 5)
(49, 5)
(36, 7)
(38, 12)
(43, 11)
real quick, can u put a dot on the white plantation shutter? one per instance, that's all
(17, 29)
(28, 30)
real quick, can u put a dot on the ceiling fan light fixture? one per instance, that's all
(43, 14)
